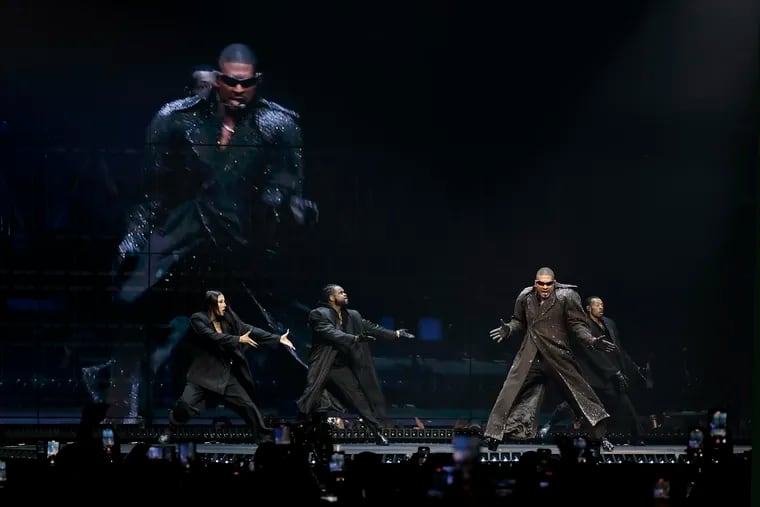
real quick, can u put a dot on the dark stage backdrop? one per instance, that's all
(451, 152)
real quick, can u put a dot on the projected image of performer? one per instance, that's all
(224, 177)
(224, 190)
(202, 80)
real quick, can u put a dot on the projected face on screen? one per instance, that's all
(236, 83)
(202, 81)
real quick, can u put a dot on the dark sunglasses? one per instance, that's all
(544, 284)
(233, 82)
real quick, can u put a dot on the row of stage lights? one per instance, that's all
(216, 458)
(10, 434)
(395, 435)
(227, 434)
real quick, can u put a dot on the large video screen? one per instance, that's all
(143, 172)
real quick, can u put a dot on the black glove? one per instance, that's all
(404, 333)
(304, 211)
(642, 372)
(501, 332)
(621, 381)
(600, 343)
(364, 338)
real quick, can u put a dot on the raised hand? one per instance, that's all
(285, 341)
(304, 211)
(404, 333)
(501, 332)
(600, 343)
(247, 340)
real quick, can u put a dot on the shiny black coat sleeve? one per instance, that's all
(156, 144)
(285, 171)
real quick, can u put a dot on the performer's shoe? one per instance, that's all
(336, 422)
(607, 445)
(491, 443)
(265, 438)
(380, 439)
(166, 436)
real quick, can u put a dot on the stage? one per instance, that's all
(223, 444)
(397, 452)
(419, 463)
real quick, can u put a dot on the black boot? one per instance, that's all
(380, 438)
(166, 436)
(491, 443)
(264, 437)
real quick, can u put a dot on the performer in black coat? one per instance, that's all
(341, 359)
(611, 375)
(219, 367)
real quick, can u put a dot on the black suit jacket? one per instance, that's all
(600, 367)
(216, 356)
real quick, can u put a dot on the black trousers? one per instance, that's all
(194, 397)
(342, 383)
(623, 416)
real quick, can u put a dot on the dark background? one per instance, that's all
(452, 149)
